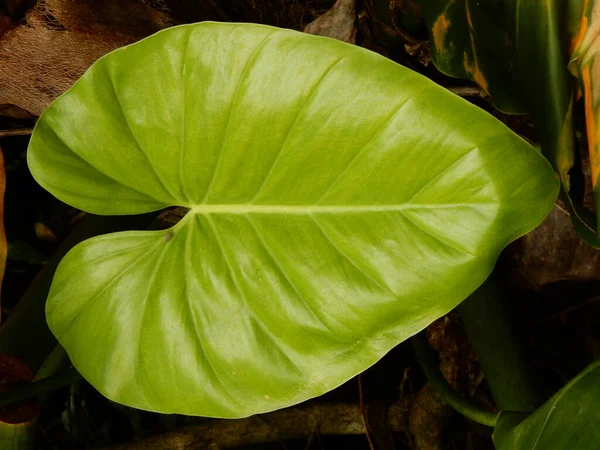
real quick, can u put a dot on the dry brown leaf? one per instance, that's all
(338, 23)
(554, 252)
(60, 39)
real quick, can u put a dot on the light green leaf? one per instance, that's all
(339, 204)
(570, 419)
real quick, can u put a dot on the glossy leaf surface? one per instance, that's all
(568, 420)
(339, 204)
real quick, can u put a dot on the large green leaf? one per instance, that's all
(339, 204)
(569, 420)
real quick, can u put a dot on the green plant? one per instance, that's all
(568, 420)
(306, 241)
(337, 207)
(524, 55)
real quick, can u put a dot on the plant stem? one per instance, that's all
(16, 132)
(468, 91)
(500, 350)
(39, 388)
(429, 361)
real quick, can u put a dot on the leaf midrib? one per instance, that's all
(247, 208)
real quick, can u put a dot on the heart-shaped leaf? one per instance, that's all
(339, 203)
(568, 420)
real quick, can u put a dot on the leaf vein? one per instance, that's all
(553, 408)
(110, 283)
(183, 115)
(306, 102)
(451, 244)
(219, 375)
(87, 162)
(285, 275)
(149, 282)
(233, 104)
(137, 142)
(440, 174)
(350, 260)
(274, 339)
(377, 132)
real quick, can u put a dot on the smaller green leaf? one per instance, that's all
(569, 420)
(470, 40)
(585, 65)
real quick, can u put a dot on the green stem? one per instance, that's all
(38, 388)
(429, 361)
(495, 337)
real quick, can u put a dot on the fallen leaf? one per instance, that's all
(554, 251)
(338, 23)
(60, 39)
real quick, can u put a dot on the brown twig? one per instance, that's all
(292, 423)
(16, 132)
(468, 91)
